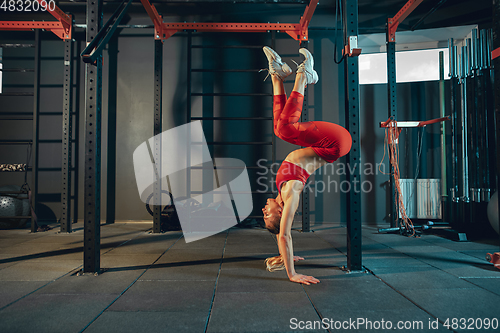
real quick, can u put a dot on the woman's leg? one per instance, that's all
(278, 87)
(279, 100)
(286, 123)
(287, 126)
(300, 83)
(279, 94)
(286, 113)
(278, 71)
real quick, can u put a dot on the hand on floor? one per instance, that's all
(305, 279)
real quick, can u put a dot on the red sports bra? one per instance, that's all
(289, 171)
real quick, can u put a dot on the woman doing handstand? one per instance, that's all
(325, 143)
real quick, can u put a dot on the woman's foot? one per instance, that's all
(306, 67)
(276, 66)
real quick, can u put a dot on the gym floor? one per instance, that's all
(158, 283)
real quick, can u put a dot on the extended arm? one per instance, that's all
(291, 199)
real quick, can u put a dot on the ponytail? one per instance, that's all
(274, 264)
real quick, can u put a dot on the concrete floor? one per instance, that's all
(158, 283)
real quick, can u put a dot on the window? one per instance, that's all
(411, 66)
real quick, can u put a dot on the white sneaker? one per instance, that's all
(276, 66)
(307, 67)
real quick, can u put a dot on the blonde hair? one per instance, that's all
(274, 264)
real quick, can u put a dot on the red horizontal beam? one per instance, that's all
(294, 30)
(55, 27)
(393, 22)
(433, 121)
(423, 123)
(65, 20)
(62, 28)
(298, 31)
(495, 53)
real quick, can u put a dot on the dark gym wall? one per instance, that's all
(135, 112)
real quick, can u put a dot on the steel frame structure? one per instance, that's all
(393, 22)
(351, 73)
(63, 28)
(496, 64)
(392, 26)
(157, 129)
(35, 117)
(306, 221)
(96, 45)
(298, 31)
(92, 181)
(208, 111)
(163, 31)
(67, 138)
(36, 129)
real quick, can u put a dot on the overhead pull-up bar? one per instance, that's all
(298, 31)
(62, 28)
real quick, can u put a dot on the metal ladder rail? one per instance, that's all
(35, 117)
(67, 141)
(190, 118)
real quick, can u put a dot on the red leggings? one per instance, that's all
(330, 141)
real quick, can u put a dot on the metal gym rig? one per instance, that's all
(98, 36)
(93, 59)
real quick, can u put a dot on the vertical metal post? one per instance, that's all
(454, 120)
(76, 165)
(478, 117)
(444, 186)
(188, 107)
(456, 213)
(67, 136)
(158, 64)
(482, 49)
(490, 98)
(188, 73)
(111, 153)
(92, 182)
(392, 113)
(465, 129)
(36, 130)
(306, 225)
(482, 114)
(353, 158)
(273, 137)
(496, 67)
